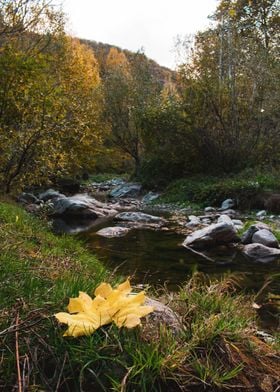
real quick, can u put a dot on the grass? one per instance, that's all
(215, 347)
(211, 191)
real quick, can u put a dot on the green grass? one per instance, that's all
(207, 190)
(38, 274)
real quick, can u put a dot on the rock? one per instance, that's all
(209, 209)
(111, 232)
(247, 236)
(216, 234)
(206, 221)
(266, 238)
(237, 222)
(225, 219)
(230, 212)
(32, 208)
(81, 206)
(261, 213)
(163, 315)
(139, 217)
(115, 182)
(150, 197)
(28, 198)
(126, 190)
(262, 253)
(194, 221)
(51, 194)
(227, 204)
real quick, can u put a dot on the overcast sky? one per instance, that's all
(133, 24)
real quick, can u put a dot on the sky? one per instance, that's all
(152, 25)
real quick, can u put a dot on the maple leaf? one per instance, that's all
(109, 305)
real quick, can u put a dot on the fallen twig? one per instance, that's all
(17, 357)
(199, 253)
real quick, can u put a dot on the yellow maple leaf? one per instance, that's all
(118, 305)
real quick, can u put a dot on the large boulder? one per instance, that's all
(248, 234)
(194, 221)
(111, 232)
(261, 214)
(28, 198)
(51, 194)
(163, 315)
(126, 190)
(227, 204)
(209, 209)
(266, 238)
(139, 217)
(219, 233)
(262, 253)
(82, 206)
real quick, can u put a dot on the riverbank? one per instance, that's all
(217, 346)
(250, 189)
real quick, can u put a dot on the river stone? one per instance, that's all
(216, 234)
(262, 253)
(139, 217)
(194, 221)
(225, 219)
(163, 315)
(115, 182)
(230, 212)
(237, 222)
(28, 198)
(111, 232)
(32, 208)
(266, 238)
(81, 206)
(126, 190)
(227, 204)
(248, 234)
(150, 197)
(261, 213)
(209, 209)
(51, 194)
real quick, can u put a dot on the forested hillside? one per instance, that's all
(71, 106)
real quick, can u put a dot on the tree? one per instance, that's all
(129, 88)
(228, 85)
(50, 106)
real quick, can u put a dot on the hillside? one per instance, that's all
(101, 50)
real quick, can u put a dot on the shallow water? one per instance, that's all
(157, 257)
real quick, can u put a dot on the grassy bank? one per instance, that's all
(247, 188)
(215, 349)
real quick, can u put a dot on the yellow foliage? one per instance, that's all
(232, 12)
(117, 60)
(109, 305)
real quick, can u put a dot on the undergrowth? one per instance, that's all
(213, 348)
(208, 190)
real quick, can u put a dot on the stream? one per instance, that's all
(157, 258)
